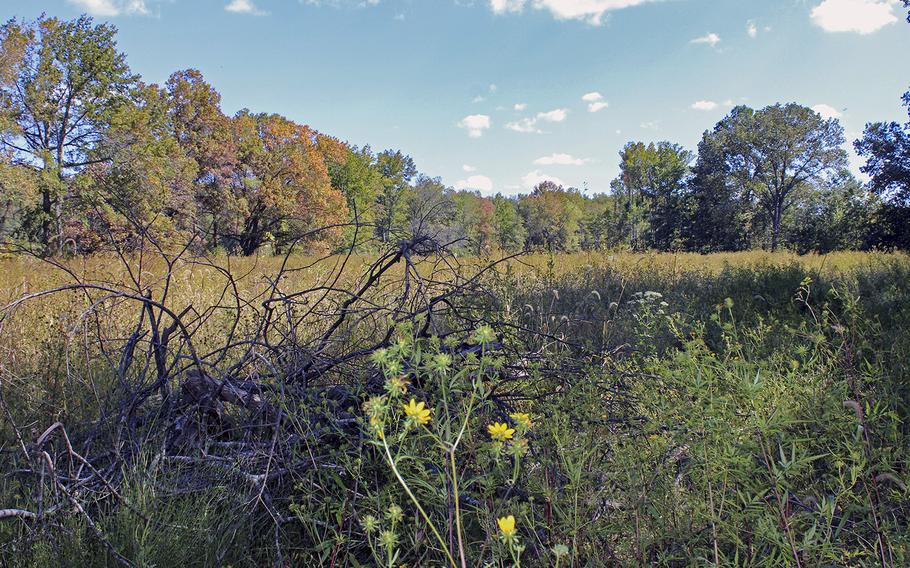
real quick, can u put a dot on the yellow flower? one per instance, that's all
(522, 419)
(417, 411)
(507, 526)
(501, 432)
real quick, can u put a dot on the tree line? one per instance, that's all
(91, 154)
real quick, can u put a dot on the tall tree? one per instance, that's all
(398, 171)
(720, 212)
(147, 185)
(777, 151)
(509, 232)
(354, 172)
(206, 135)
(69, 82)
(886, 147)
(282, 186)
(651, 186)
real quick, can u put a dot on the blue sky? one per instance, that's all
(499, 94)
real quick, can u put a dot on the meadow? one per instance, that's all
(589, 409)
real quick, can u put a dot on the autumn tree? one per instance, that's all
(281, 188)
(206, 136)
(68, 82)
(475, 218)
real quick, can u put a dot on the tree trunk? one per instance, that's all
(775, 228)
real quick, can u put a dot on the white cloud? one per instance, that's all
(529, 125)
(827, 111)
(556, 115)
(481, 183)
(520, 106)
(475, 124)
(532, 179)
(493, 88)
(704, 105)
(859, 16)
(468, 168)
(595, 101)
(244, 7)
(110, 8)
(561, 160)
(478, 99)
(711, 39)
(590, 11)
(752, 30)
(650, 125)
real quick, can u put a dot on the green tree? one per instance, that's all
(831, 218)
(886, 147)
(147, 184)
(509, 233)
(69, 82)
(776, 152)
(551, 216)
(354, 172)
(650, 188)
(720, 213)
(397, 171)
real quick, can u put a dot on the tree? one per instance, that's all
(776, 152)
(720, 214)
(650, 189)
(282, 187)
(206, 135)
(354, 172)
(397, 171)
(69, 81)
(509, 232)
(551, 217)
(830, 218)
(147, 185)
(475, 215)
(886, 147)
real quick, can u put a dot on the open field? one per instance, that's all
(738, 410)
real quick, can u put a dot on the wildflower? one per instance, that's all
(394, 513)
(388, 539)
(522, 419)
(500, 432)
(397, 386)
(518, 448)
(507, 526)
(380, 356)
(370, 524)
(441, 362)
(483, 335)
(417, 411)
(560, 550)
